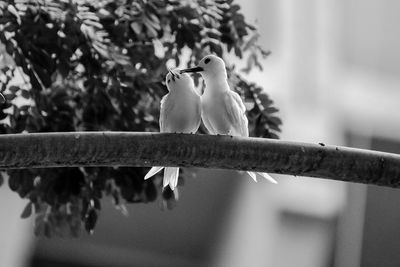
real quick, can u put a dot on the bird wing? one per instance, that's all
(165, 108)
(208, 125)
(235, 110)
(152, 172)
(198, 112)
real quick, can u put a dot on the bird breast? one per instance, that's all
(214, 114)
(185, 114)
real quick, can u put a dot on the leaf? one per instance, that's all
(238, 52)
(11, 27)
(13, 89)
(27, 211)
(214, 34)
(150, 30)
(91, 220)
(24, 108)
(215, 48)
(265, 53)
(136, 27)
(273, 135)
(10, 48)
(274, 120)
(9, 97)
(274, 127)
(6, 105)
(187, 12)
(270, 110)
(234, 8)
(263, 97)
(97, 204)
(154, 21)
(3, 115)
(13, 11)
(25, 94)
(101, 50)
(158, 48)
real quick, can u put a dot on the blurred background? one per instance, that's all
(334, 72)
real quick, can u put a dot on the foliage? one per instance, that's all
(94, 65)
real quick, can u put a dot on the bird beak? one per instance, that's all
(195, 69)
(174, 75)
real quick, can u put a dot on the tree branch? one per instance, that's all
(43, 150)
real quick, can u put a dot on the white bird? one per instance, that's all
(223, 111)
(179, 113)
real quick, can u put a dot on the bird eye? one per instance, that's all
(207, 60)
(168, 80)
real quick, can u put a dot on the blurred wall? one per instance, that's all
(15, 234)
(334, 70)
(149, 236)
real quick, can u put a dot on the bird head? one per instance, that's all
(209, 66)
(175, 79)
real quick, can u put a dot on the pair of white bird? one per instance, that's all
(182, 109)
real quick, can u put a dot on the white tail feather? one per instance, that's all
(263, 174)
(171, 175)
(253, 176)
(165, 180)
(268, 177)
(152, 172)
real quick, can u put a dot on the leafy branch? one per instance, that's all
(99, 66)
